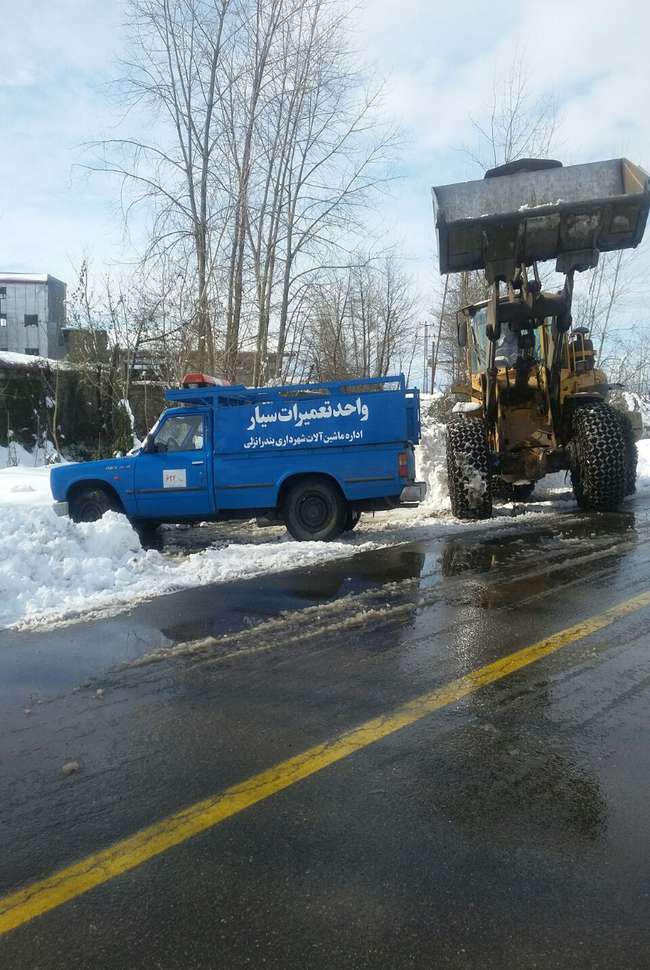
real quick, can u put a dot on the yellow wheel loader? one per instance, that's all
(535, 401)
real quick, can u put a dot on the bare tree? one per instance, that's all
(516, 124)
(263, 150)
(174, 74)
(362, 321)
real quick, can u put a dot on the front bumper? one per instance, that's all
(60, 508)
(413, 494)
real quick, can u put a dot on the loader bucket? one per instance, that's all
(567, 213)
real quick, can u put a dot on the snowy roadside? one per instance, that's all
(54, 571)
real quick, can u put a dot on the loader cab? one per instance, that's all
(510, 345)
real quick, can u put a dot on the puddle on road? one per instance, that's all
(473, 566)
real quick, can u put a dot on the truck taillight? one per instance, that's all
(403, 461)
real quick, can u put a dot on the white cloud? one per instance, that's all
(440, 61)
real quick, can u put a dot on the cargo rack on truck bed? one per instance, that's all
(239, 393)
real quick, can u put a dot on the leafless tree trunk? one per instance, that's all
(265, 152)
(173, 74)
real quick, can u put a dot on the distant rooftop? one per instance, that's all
(27, 278)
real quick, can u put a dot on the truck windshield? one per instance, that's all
(181, 432)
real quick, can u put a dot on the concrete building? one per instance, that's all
(32, 314)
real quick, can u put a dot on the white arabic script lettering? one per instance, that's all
(299, 418)
(258, 442)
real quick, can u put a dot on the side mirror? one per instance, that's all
(461, 325)
(149, 446)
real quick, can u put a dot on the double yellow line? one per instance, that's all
(99, 867)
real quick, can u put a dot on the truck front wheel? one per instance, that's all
(314, 509)
(89, 504)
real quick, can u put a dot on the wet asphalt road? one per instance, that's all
(508, 830)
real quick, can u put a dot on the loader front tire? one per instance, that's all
(598, 458)
(468, 469)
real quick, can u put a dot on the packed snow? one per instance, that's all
(53, 570)
(10, 358)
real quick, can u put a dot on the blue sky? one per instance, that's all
(439, 62)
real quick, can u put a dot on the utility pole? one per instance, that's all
(435, 348)
(425, 362)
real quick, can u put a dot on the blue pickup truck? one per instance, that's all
(313, 456)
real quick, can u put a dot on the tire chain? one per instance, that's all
(468, 455)
(598, 458)
(631, 453)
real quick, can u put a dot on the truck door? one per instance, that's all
(174, 479)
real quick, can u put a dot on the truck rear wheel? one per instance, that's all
(314, 509)
(468, 469)
(90, 504)
(598, 458)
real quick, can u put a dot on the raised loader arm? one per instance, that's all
(533, 210)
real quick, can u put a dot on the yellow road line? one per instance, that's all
(98, 868)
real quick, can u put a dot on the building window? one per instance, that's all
(31, 319)
(32, 351)
(3, 290)
(3, 319)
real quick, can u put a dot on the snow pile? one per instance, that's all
(431, 462)
(630, 401)
(23, 456)
(10, 359)
(643, 468)
(124, 404)
(24, 485)
(52, 568)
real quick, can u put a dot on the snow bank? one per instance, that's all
(25, 458)
(24, 485)
(10, 359)
(431, 463)
(52, 569)
(643, 468)
(630, 401)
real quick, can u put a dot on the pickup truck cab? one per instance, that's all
(313, 456)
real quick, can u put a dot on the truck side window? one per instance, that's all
(180, 433)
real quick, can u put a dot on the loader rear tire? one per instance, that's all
(468, 469)
(598, 458)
